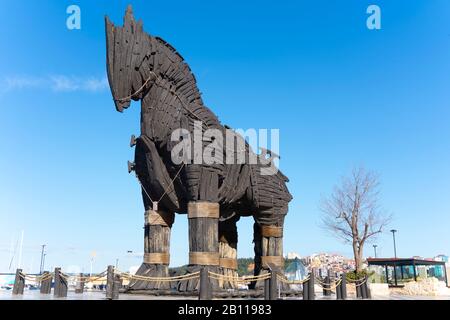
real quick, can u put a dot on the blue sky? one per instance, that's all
(341, 95)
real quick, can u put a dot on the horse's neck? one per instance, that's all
(163, 110)
(169, 65)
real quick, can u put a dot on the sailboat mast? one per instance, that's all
(19, 264)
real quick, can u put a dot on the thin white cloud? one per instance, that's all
(21, 82)
(93, 84)
(56, 83)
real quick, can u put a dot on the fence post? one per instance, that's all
(46, 285)
(63, 285)
(338, 288)
(205, 289)
(116, 286)
(327, 286)
(363, 289)
(358, 289)
(344, 286)
(110, 283)
(311, 290)
(19, 282)
(80, 284)
(57, 282)
(368, 294)
(273, 285)
(305, 286)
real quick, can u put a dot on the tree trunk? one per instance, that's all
(358, 254)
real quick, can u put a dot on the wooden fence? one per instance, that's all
(271, 281)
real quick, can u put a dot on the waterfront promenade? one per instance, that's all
(100, 295)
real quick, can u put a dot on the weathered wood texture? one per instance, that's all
(61, 285)
(268, 246)
(46, 285)
(228, 239)
(203, 241)
(110, 283)
(156, 250)
(19, 282)
(146, 68)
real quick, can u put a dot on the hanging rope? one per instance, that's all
(284, 280)
(166, 189)
(152, 75)
(218, 276)
(189, 276)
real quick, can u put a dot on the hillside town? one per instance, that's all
(337, 263)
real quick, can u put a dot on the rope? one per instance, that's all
(284, 280)
(90, 278)
(36, 278)
(361, 283)
(355, 280)
(218, 276)
(325, 285)
(166, 189)
(152, 74)
(336, 284)
(161, 279)
(230, 279)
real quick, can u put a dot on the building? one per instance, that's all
(397, 271)
(329, 261)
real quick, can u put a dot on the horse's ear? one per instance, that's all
(128, 20)
(139, 27)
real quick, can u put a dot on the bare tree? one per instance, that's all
(353, 214)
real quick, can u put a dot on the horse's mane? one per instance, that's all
(180, 74)
(183, 77)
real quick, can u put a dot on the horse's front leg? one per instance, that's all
(157, 229)
(158, 219)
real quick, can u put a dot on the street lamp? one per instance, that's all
(395, 256)
(375, 249)
(42, 259)
(393, 237)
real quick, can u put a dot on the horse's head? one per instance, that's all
(128, 47)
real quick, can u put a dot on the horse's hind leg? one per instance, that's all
(157, 228)
(228, 238)
(268, 246)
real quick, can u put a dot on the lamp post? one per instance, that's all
(393, 237)
(42, 259)
(395, 256)
(375, 249)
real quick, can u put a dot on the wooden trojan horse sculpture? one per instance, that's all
(214, 196)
